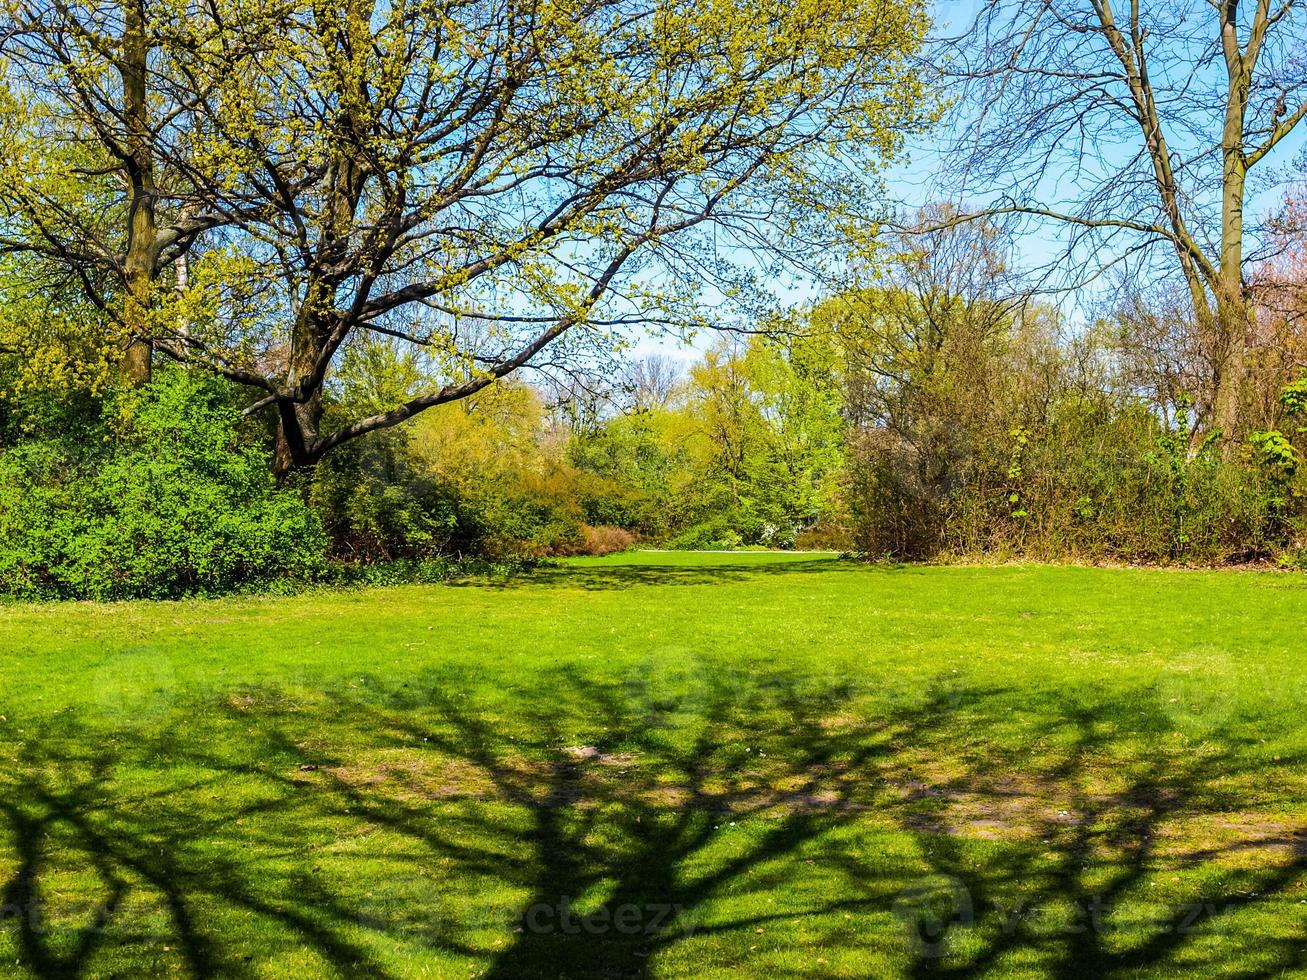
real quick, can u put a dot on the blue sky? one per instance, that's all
(913, 181)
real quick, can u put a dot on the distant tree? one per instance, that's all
(764, 430)
(650, 382)
(797, 376)
(1279, 335)
(924, 341)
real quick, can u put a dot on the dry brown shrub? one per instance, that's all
(601, 540)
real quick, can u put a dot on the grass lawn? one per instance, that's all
(660, 764)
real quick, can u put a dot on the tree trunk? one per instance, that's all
(142, 232)
(299, 423)
(297, 432)
(1229, 370)
(1230, 329)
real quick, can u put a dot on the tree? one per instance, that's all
(1137, 128)
(1279, 337)
(923, 344)
(485, 180)
(764, 432)
(650, 382)
(99, 135)
(797, 377)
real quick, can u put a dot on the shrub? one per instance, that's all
(163, 503)
(602, 540)
(1083, 486)
(521, 523)
(378, 506)
(713, 535)
(824, 537)
(425, 571)
(894, 514)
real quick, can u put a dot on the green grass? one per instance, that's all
(664, 765)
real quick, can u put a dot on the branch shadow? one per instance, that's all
(590, 826)
(603, 578)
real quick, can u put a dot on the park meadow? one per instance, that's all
(603, 489)
(665, 764)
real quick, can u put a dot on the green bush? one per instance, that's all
(424, 571)
(382, 501)
(713, 535)
(377, 506)
(162, 501)
(525, 523)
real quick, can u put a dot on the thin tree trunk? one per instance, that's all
(1230, 335)
(142, 232)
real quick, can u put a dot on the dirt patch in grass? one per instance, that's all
(1236, 840)
(938, 797)
(1022, 806)
(404, 774)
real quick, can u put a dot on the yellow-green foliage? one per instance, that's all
(471, 178)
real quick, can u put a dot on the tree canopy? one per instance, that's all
(251, 186)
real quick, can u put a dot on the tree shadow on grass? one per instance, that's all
(602, 578)
(589, 826)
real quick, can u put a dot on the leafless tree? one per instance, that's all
(650, 382)
(1138, 131)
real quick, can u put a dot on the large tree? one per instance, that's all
(1136, 127)
(481, 179)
